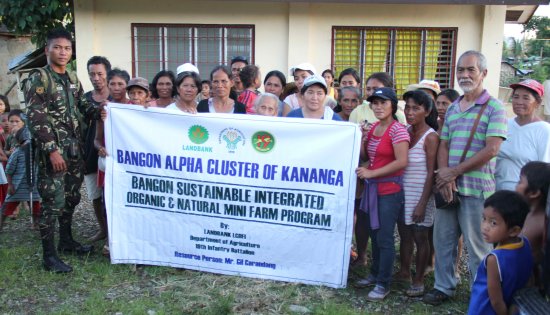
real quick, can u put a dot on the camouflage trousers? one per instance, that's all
(60, 191)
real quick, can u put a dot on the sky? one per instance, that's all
(514, 30)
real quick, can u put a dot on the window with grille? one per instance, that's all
(407, 54)
(165, 47)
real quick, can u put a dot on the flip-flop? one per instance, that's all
(415, 290)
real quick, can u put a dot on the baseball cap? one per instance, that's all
(385, 93)
(530, 84)
(239, 59)
(187, 67)
(138, 81)
(306, 66)
(426, 84)
(314, 79)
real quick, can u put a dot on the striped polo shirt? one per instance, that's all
(456, 131)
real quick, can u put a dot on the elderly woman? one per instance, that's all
(313, 94)
(275, 83)
(267, 104)
(220, 102)
(528, 136)
(348, 99)
(188, 86)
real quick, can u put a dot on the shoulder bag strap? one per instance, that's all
(473, 131)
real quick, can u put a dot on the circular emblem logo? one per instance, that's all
(198, 134)
(263, 141)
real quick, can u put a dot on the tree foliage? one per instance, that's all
(541, 26)
(36, 17)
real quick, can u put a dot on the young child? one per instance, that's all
(533, 185)
(250, 77)
(5, 130)
(4, 108)
(506, 268)
(18, 185)
(205, 91)
(16, 122)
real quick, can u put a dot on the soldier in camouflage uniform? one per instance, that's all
(56, 111)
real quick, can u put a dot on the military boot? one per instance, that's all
(66, 242)
(51, 260)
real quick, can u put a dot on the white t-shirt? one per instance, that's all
(526, 143)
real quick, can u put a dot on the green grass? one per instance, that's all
(97, 287)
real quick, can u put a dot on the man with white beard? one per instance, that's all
(467, 170)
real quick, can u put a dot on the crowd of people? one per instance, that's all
(430, 170)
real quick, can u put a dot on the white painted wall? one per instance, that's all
(286, 33)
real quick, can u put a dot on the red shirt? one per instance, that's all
(381, 153)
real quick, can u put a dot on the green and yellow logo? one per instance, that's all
(198, 134)
(263, 141)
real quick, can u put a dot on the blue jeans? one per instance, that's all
(447, 227)
(383, 240)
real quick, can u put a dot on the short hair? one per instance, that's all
(248, 74)
(6, 102)
(160, 74)
(423, 99)
(263, 96)
(481, 60)
(58, 33)
(116, 72)
(224, 69)
(19, 113)
(99, 60)
(537, 174)
(352, 72)
(278, 74)
(355, 90)
(511, 206)
(206, 82)
(189, 74)
(451, 94)
(382, 77)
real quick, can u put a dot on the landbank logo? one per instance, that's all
(263, 141)
(198, 135)
(232, 138)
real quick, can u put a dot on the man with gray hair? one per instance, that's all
(475, 126)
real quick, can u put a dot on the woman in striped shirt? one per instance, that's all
(418, 180)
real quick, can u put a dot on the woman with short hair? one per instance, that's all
(313, 94)
(188, 86)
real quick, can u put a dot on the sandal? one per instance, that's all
(435, 297)
(365, 282)
(415, 290)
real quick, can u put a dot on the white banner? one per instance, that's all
(241, 195)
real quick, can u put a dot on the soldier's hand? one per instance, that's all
(57, 162)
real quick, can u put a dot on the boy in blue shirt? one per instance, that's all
(509, 265)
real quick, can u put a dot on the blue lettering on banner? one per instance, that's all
(312, 175)
(233, 168)
(151, 160)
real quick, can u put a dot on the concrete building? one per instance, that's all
(412, 40)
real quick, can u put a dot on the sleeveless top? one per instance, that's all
(413, 182)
